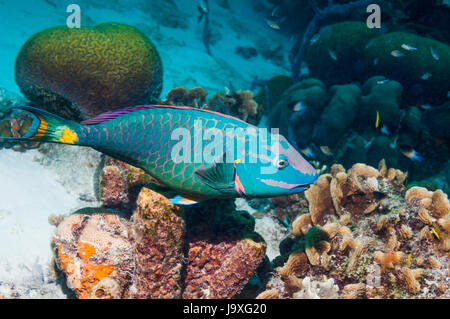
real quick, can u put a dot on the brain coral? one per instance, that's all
(89, 70)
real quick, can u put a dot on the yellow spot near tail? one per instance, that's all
(377, 122)
(409, 259)
(435, 233)
(68, 136)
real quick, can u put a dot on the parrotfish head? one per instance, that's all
(280, 171)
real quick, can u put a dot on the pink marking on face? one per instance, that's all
(281, 184)
(295, 159)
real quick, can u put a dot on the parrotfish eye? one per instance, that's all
(281, 161)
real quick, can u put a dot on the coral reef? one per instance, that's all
(391, 54)
(338, 46)
(296, 58)
(120, 183)
(428, 57)
(218, 238)
(107, 256)
(95, 253)
(120, 66)
(240, 104)
(180, 96)
(353, 123)
(158, 232)
(312, 94)
(382, 240)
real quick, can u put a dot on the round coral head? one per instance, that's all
(79, 73)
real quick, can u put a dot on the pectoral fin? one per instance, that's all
(219, 176)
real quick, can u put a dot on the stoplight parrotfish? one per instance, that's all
(148, 137)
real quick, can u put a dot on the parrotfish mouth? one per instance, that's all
(302, 186)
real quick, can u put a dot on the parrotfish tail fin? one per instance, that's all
(43, 126)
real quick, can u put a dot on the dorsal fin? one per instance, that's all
(105, 117)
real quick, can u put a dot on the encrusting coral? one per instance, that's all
(106, 256)
(95, 253)
(383, 241)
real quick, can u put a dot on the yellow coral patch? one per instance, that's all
(68, 136)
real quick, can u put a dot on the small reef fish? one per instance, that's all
(375, 61)
(308, 152)
(425, 106)
(369, 44)
(426, 76)
(410, 153)
(435, 233)
(273, 24)
(397, 54)
(315, 38)
(332, 55)
(385, 130)
(275, 11)
(408, 47)
(409, 259)
(383, 81)
(382, 198)
(143, 137)
(203, 10)
(299, 107)
(377, 121)
(326, 150)
(434, 54)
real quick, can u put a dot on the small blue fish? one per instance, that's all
(397, 54)
(434, 54)
(408, 47)
(308, 152)
(426, 76)
(411, 153)
(315, 38)
(299, 107)
(385, 130)
(369, 44)
(332, 55)
(383, 81)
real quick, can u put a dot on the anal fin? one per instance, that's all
(184, 200)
